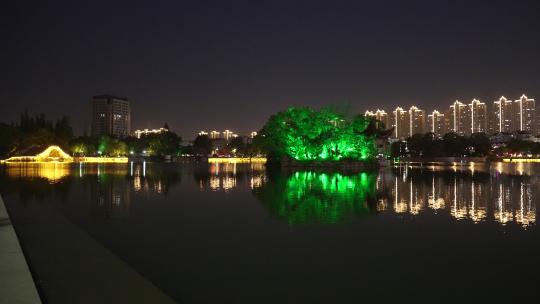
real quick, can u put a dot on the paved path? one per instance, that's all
(16, 283)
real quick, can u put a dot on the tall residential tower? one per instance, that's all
(111, 116)
(478, 113)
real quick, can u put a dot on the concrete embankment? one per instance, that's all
(16, 283)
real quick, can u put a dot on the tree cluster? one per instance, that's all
(34, 131)
(38, 131)
(450, 145)
(307, 134)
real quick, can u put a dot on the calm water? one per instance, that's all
(235, 233)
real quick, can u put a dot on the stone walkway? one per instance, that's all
(16, 283)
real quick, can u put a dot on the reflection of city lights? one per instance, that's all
(382, 205)
(214, 183)
(229, 183)
(256, 182)
(53, 172)
(237, 159)
(144, 168)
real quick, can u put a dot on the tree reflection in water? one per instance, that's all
(304, 197)
(499, 193)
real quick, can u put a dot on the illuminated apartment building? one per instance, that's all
(478, 113)
(381, 116)
(227, 134)
(214, 135)
(400, 122)
(417, 121)
(139, 133)
(459, 120)
(111, 116)
(436, 123)
(525, 114)
(503, 115)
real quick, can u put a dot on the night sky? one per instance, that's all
(201, 65)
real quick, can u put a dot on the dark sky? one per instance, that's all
(230, 64)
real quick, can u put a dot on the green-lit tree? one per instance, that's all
(306, 134)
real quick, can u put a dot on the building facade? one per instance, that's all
(436, 123)
(111, 116)
(459, 118)
(417, 121)
(381, 116)
(400, 123)
(503, 115)
(525, 114)
(479, 116)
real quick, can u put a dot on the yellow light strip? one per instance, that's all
(121, 160)
(236, 159)
(63, 157)
(521, 160)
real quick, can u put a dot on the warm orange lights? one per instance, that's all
(54, 154)
(237, 160)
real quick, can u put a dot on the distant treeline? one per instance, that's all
(455, 145)
(38, 131)
(34, 131)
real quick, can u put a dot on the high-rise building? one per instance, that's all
(227, 134)
(503, 115)
(111, 116)
(214, 134)
(459, 118)
(436, 123)
(400, 122)
(417, 121)
(381, 116)
(525, 114)
(478, 113)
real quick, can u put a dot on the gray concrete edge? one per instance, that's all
(16, 283)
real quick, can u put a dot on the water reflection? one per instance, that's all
(107, 187)
(501, 193)
(306, 197)
(475, 195)
(224, 176)
(52, 172)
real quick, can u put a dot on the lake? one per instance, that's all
(238, 233)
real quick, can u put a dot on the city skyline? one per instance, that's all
(214, 65)
(502, 115)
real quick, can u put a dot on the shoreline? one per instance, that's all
(16, 282)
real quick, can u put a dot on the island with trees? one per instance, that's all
(304, 137)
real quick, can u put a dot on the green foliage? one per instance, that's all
(8, 139)
(305, 134)
(83, 146)
(166, 143)
(306, 197)
(454, 144)
(451, 145)
(202, 145)
(480, 143)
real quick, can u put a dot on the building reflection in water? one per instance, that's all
(110, 196)
(464, 192)
(226, 176)
(108, 187)
(504, 193)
